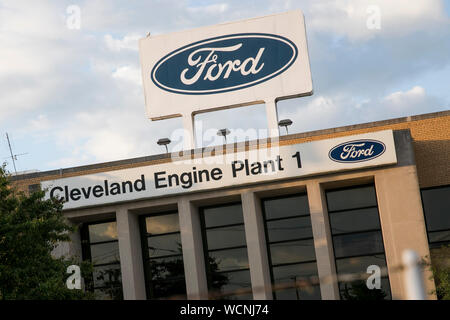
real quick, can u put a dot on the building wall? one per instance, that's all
(423, 153)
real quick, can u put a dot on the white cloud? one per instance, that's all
(128, 73)
(40, 123)
(404, 98)
(397, 18)
(128, 42)
(217, 8)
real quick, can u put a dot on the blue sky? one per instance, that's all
(71, 97)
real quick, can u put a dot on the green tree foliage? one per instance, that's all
(440, 266)
(358, 290)
(30, 228)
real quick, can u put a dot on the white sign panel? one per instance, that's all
(232, 64)
(291, 161)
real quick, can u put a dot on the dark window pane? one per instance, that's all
(166, 268)
(358, 244)
(107, 276)
(285, 207)
(436, 203)
(105, 253)
(355, 220)
(309, 293)
(359, 264)
(109, 293)
(439, 236)
(168, 289)
(102, 232)
(297, 271)
(358, 290)
(351, 198)
(229, 259)
(162, 224)
(295, 251)
(164, 245)
(223, 215)
(232, 282)
(287, 229)
(226, 237)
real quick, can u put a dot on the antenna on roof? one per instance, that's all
(13, 156)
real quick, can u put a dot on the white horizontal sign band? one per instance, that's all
(209, 173)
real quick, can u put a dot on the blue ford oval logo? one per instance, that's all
(357, 151)
(225, 63)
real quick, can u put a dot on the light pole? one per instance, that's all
(285, 123)
(224, 133)
(164, 142)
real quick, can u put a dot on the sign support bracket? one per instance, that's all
(272, 118)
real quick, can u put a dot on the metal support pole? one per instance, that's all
(272, 118)
(189, 135)
(413, 276)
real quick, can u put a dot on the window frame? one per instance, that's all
(433, 244)
(380, 229)
(87, 254)
(206, 251)
(268, 243)
(144, 236)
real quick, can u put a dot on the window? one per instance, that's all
(357, 239)
(436, 206)
(101, 247)
(290, 246)
(226, 251)
(163, 256)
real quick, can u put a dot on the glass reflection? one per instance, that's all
(237, 285)
(436, 204)
(286, 207)
(230, 259)
(358, 244)
(358, 290)
(105, 253)
(102, 232)
(166, 268)
(289, 229)
(296, 251)
(357, 240)
(100, 245)
(355, 220)
(351, 198)
(164, 245)
(225, 244)
(163, 256)
(289, 236)
(226, 237)
(359, 264)
(223, 215)
(162, 224)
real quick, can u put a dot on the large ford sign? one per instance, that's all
(357, 151)
(260, 60)
(224, 63)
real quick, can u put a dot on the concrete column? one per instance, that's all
(191, 241)
(323, 242)
(130, 250)
(402, 224)
(256, 247)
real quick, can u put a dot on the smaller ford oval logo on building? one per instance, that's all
(357, 151)
(223, 64)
